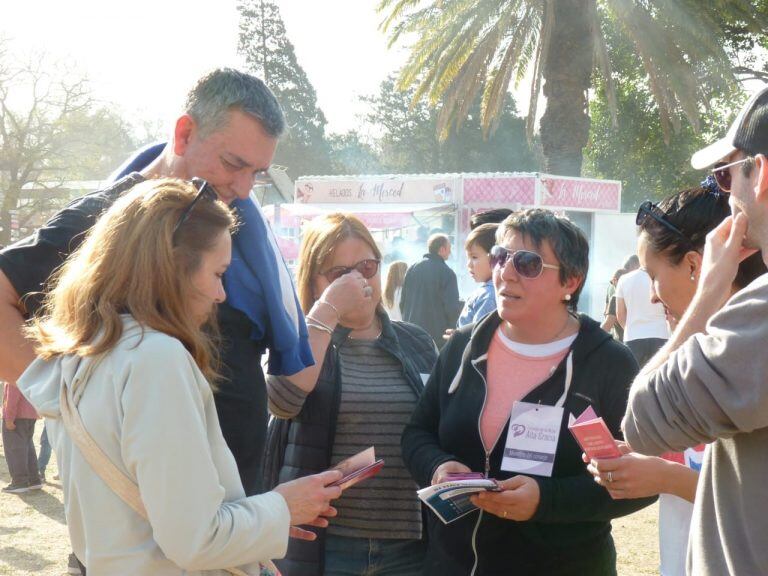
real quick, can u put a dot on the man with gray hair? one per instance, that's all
(227, 135)
(430, 293)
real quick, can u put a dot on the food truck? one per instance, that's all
(402, 210)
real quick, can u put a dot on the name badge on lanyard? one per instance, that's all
(534, 431)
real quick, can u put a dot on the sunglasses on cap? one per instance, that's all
(722, 173)
(526, 263)
(367, 268)
(650, 210)
(204, 190)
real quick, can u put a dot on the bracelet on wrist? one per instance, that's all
(313, 320)
(332, 307)
(320, 327)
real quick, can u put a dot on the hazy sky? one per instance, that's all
(143, 55)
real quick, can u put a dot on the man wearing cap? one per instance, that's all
(709, 383)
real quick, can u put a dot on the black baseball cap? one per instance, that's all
(749, 133)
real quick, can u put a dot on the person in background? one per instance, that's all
(393, 287)
(430, 295)
(45, 455)
(631, 263)
(126, 342)
(483, 300)
(610, 323)
(492, 216)
(671, 244)
(360, 393)
(535, 352)
(19, 418)
(643, 321)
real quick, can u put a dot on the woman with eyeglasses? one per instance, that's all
(126, 348)
(499, 403)
(367, 378)
(670, 247)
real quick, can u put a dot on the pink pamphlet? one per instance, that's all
(358, 467)
(593, 436)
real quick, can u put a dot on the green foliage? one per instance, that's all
(269, 54)
(463, 48)
(52, 134)
(651, 163)
(352, 154)
(408, 144)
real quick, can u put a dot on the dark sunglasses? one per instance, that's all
(722, 173)
(649, 210)
(367, 268)
(526, 263)
(204, 190)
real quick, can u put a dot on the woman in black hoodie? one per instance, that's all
(535, 356)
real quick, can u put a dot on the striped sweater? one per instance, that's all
(376, 404)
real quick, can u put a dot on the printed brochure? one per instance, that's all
(450, 500)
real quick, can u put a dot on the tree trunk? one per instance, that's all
(9, 203)
(567, 74)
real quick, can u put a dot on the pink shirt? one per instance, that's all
(15, 405)
(513, 371)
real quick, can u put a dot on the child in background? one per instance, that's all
(483, 300)
(19, 419)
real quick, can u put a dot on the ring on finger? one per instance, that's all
(610, 477)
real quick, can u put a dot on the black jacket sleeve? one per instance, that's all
(450, 296)
(580, 498)
(29, 263)
(420, 441)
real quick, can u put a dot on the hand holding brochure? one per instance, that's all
(358, 467)
(593, 436)
(450, 500)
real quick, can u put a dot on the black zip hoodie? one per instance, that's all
(570, 534)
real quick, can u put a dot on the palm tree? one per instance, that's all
(465, 47)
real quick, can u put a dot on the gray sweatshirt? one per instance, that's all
(714, 389)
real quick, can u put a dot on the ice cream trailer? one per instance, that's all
(411, 206)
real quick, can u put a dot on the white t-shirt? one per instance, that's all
(644, 319)
(394, 312)
(675, 522)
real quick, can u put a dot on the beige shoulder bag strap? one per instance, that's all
(113, 477)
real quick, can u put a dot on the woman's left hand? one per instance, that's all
(631, 476)
(518, 500)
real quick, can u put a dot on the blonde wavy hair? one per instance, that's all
(320, 237)
(395, 278)
(132, 263)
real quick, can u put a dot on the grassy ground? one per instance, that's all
(33, 536)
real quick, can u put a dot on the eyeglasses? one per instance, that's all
(367, 268)
(722, 173)
(262, 178)
(204, 190)
(526, 263)
(649, 210)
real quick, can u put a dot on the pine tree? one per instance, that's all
(270, 55)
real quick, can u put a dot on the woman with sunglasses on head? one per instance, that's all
(670, 247)
(361, 392)
(499, 402)
(127, 361)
